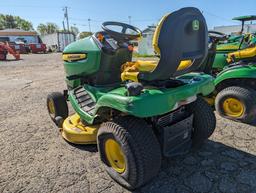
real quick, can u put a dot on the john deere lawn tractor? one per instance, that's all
(137, 112)
(235, 83)
(234, 43)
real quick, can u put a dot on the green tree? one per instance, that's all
(47, 28)
(23, 24)
(74, 29)
(84, 34)
(10, 21)
(2, 21)
(42, 29)
(52, 28)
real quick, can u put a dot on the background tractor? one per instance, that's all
(235, 95)
(234, 43)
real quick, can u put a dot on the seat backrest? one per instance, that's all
(181, 35)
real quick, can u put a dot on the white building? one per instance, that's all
(58, 41)
(145, 45)
(17, 34)
(248, 28)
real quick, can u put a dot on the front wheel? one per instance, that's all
(129, 150)
(237, 103)
(57, 107)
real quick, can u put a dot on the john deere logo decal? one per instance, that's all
(195, 25)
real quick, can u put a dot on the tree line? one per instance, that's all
(10, 22)
(15, 22)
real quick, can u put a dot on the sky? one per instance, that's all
(142, 12)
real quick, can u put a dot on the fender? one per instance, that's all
(239, 71)
(155, 101)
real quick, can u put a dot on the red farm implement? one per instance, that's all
(5, 49)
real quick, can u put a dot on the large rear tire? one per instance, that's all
(204, 122)
(129, 150)
(237, 103)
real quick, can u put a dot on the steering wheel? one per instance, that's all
(217, 36)
(122, 36)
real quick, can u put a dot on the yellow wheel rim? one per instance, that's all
(115, 155)
(233, 107)
(51, 108)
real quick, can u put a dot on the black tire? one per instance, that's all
(27, 50)
(140, 147)
(246, 96)
(60, 107)
(204, 122)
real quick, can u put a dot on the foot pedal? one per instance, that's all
(84, 100)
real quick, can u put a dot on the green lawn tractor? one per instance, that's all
(234, 43)
(235, 83)
(137, 112)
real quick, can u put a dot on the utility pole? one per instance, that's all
(130, 17)
(89, 23)
(66, 16)
(63, 24)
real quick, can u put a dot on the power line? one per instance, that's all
(217, 16)
(126, 21)
(80, 19)
(80, 24)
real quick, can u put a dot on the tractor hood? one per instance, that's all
(81, 58)
(83, 45)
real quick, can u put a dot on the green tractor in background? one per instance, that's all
(137, 112)
(234, 43)
(231, 60)
(235, 80)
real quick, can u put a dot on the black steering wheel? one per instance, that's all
(127, 33)
(217, 36)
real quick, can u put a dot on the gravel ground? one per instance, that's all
(34, 157)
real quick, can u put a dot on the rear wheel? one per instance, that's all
(57, 107)
(129, 150)
(204, 121)
(237, 103)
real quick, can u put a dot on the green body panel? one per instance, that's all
(223, 49)
(84, 67)
(253, 40)
(236, 72)
(234, 38)
(151, 102)
(220, 60)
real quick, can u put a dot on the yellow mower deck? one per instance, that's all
(74, 131)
